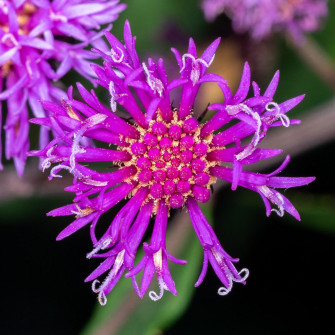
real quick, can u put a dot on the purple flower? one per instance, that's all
(35, 51)
(264, 17)
(165, 159)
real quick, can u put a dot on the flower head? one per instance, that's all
(35, 50)
(264, 17)
(165, 158)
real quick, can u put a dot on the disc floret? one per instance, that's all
(171, 160)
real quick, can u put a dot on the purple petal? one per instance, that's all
(287, 182)
(102, 268)
(271, 90)
(243, 89)
(203, 270)
(290, 104)
(209, 53)
(75, 226)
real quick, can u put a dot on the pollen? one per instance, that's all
(83, 211)
(71, 113)
(24, 16)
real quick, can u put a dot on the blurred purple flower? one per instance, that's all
(261, 18)
(40, 41)
(166, 159)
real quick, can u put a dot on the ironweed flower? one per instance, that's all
(35, 50)
(261, 18)
(166, 159)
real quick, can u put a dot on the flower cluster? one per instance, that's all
(40, 41)
(263, 17)
(166, 159)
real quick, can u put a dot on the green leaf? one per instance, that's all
(296, 77)
(326, 34)
(17, 210)
(317, 211)
(150, 18)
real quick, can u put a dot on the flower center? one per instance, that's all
(23, 16)
(171, 161)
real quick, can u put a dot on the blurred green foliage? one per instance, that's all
(149, 18)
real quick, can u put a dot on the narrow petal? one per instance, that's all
(243, 89)
(270, 91)
(75, 226)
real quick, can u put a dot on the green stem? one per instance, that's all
(317, 59)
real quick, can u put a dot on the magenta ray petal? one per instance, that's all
(264, 184)
(155, 259)
(287, 182)
(271, 89)
(125, 217)
(228, 155)
(213, 251)
(209, 53)
(76, 225)
(94, 154)
(102, 268)
(243, 89)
